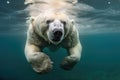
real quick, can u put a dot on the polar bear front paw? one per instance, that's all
(68, 62)
(41, 63)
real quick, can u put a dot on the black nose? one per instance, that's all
(57, 35)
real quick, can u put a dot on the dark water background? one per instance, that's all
(100, 38)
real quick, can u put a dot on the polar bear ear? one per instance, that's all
(32, 19)
(72, 22)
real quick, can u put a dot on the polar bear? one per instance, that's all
(52, 28)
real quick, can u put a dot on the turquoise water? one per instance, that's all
(99, 34)
(100, 60)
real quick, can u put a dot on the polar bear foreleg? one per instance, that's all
(40, 62)
(74, 56)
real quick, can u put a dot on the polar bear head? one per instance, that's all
(53, 27)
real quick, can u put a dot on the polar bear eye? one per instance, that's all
(49, 21)
(64, 22)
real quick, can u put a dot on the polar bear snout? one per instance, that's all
(57, 34)
(56, 31)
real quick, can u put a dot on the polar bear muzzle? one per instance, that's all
(57, 35)
(55, 32)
